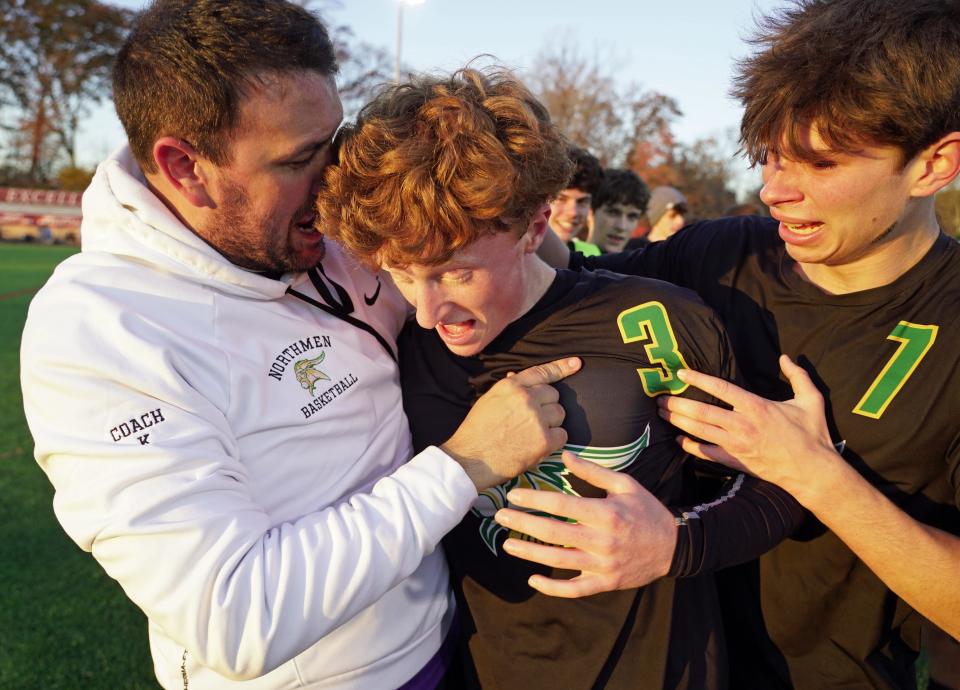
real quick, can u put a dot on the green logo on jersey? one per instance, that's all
(308, 374)
(549, 475)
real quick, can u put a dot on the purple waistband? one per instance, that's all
(429, 677)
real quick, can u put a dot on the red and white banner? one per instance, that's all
(39, 197)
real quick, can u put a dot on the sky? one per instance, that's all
(682, 48)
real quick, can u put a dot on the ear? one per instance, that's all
(537, 229)
(182, 168)
(938, 165)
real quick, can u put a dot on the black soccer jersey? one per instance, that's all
(888, 365)
(632, 334)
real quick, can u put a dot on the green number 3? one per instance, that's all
(649, 322)
(915, 341)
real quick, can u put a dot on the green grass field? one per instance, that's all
(63, 623)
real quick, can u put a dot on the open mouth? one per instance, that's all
(456, 331)
(803, 228)
(308, 223)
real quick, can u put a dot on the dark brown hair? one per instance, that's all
(621, 187)
(587, 172)
(436, 163)
(186, 65)
(883, 72)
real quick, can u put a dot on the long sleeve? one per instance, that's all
(225, 553)
(745, 518)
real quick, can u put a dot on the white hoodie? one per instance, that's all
(235, 457)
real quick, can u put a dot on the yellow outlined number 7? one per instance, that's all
(915, 341)
(649, 322)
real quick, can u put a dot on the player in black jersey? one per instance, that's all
(853, 109)
(445, 183)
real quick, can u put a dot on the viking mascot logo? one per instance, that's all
(308, 374)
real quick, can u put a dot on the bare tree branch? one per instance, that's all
(631, 127)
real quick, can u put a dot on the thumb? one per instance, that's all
(803, 387)
(549, 372)
(599, 476)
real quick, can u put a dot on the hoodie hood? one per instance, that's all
(121, 216)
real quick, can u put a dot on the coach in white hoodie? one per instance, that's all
(212, 388)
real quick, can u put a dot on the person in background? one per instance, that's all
(666, 213)
(618, 205)
(570, 209)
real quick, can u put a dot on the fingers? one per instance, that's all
(550, 372)
(546, 529)
(586, 511)
(799, 380)
(553, 414)
(718, 388)
(555, 436)
(694, 426)
(707, 451)
(556, 439)
(694, 409)
(541, 393)
(562, 505)
(599, 476)
(538, 393)
(581, 586)
(562, 558)
(546, 554)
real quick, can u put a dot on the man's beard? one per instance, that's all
(252, 242)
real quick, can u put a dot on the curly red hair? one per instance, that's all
(433, 164)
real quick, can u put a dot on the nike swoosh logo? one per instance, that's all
(372, 300)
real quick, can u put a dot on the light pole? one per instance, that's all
(400, 4)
